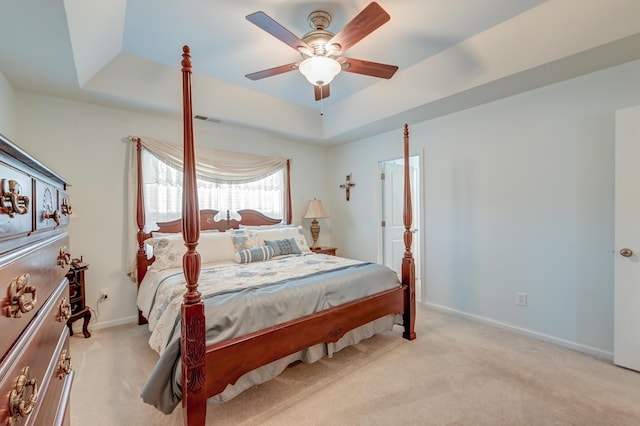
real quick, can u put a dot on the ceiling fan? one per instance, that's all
(321, 50)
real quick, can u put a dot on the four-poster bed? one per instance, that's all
(209, 366)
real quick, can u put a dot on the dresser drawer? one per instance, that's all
(46, 208)
(41, 362)
(32, 271)
(16, 202)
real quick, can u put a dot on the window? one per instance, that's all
(163, 192)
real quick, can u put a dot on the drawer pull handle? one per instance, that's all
(65, 207)
(11, 202)
(18, 302)
(55, 216)
(64, 364)
(64, 310)
(64, 258)
(21, 402)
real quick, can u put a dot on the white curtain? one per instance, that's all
(162, 187)
(218, 171)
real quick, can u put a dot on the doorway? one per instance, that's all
(391, 216)
(626, 347)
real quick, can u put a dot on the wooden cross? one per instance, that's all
(347, 186)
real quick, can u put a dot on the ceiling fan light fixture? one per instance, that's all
(320, 70)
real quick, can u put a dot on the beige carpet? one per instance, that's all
(457, 372)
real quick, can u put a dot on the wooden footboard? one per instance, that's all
(227, 361)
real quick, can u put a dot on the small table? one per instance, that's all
(325, 250)
(76, 295)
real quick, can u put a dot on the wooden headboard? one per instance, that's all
(207, 223)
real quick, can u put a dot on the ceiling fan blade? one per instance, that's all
(321, 93)
(366, 22)
(265, 22)
(273, 71)
(373, 69)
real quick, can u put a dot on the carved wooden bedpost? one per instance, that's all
(141, 262)
(193, 344)
(288, 207)
(408, 265)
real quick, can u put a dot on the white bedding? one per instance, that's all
(242, 298)
(160, 294)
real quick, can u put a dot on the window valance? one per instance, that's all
(215, 164)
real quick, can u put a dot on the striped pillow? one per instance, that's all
(255, 254)
(285, 246)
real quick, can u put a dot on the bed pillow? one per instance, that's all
(212, 246)
(168, 252)
(215, 247)
(155, 234)
(283, 233)
(256, 254)
(244, 239)
(282, 247)
(262, 227)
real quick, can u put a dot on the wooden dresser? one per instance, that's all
(35, 363)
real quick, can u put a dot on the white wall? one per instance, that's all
(7, 108)
(86, 144)
(518, 198)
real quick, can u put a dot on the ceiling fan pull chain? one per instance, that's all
(321, 97)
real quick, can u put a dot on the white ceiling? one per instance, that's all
(452, 54)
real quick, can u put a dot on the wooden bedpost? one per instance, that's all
(408, 265)
(192, 344)
(288, 215)
(141, 261)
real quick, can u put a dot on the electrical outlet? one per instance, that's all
(521, 299)
(104, 294)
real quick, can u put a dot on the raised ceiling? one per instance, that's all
(451, 55)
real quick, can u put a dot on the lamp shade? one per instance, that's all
(319, 70)
(315, 210)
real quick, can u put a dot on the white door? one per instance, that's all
(392, 190)
(626, 351)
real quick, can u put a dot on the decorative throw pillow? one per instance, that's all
(255, 254)
(167, 251)
(244, 240)
(286, 232)
(281, 247)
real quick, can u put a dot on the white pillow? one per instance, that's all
(259, 227)
(215, 247)
(283, 233)
(176, 235)
(168, 252)
(212, 246)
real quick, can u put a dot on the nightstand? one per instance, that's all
(325, 250)
(77, 298)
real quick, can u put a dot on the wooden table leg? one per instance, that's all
(85, 323)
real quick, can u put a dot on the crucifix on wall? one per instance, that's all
(347, 186)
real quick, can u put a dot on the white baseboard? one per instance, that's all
(598, 353)
(77, 325)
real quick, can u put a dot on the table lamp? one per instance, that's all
(315, 211)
